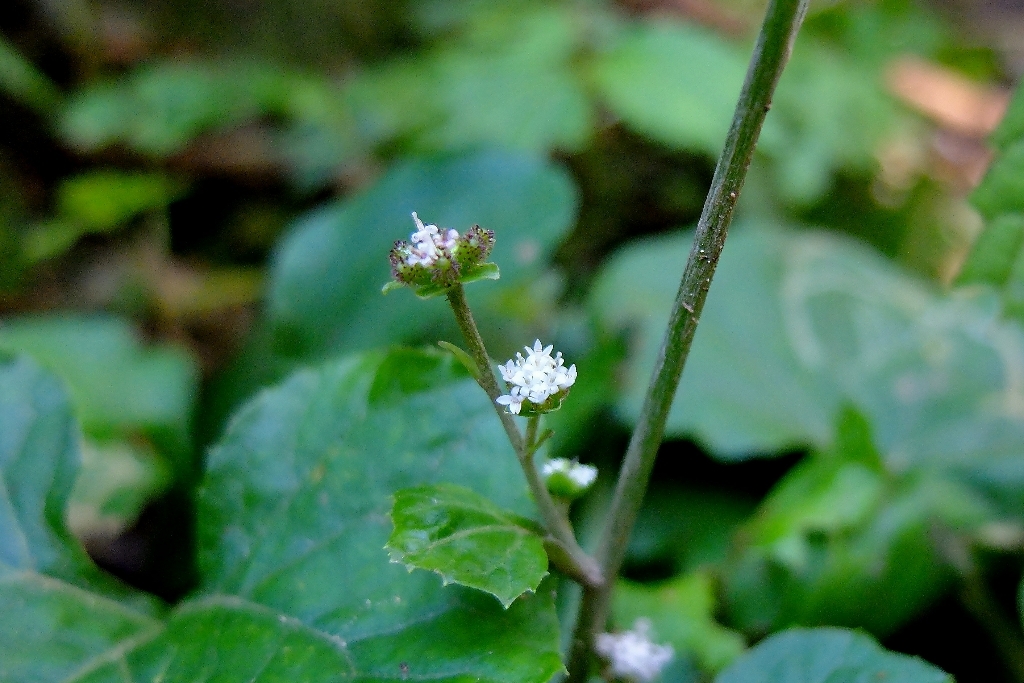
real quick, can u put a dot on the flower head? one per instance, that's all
(631, 654)
(539, 382)
(434, 259)
(568, 479)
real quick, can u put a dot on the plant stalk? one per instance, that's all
(771, 53)
(576, 562)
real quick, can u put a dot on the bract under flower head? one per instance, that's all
(537, 383)
(435, 259)
(631, 654)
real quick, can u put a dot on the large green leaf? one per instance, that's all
(52, 630)
(798, 324)
(38, 463)
(118, 386)
(292, 515)
(509, 84)
(673, 82)
(327, 274)
(59, 610)
(468, 540)
(293, 522)
(827, 656)
(829, 114)
(135, 405)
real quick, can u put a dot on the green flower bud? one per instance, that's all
(568, 479)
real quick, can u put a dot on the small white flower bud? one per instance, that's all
(631, 654)
(568, 479)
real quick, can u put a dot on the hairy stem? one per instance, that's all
(774, 43)
(571, 559)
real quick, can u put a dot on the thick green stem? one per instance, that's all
(770, 55)
(571, 558)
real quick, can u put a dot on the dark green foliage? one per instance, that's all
(153, 151)
(299, 585)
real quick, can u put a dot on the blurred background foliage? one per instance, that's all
(197, 198)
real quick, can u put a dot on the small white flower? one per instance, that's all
(632, 655)
(428, 243)
(535, 378)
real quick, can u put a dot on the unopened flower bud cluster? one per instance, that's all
(539, 382)
(435, 256)
(568, 479)
(631, 655)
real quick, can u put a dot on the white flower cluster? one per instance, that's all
(632, 655)
(535, 378)
(428, 243)
(580, 475)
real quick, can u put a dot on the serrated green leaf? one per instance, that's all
(997, 256)
(1002, 189)
(323, 291)
(468, 540)
(333, 610)
(827, 656)
(994, 252)
(59, 610)
(682, 614)
(292, 515)
(38, 464)
(1011, 128)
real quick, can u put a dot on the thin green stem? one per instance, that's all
(570, 557)
(774, 43)
(532, 427)
(477, 350)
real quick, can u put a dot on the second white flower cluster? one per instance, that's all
(539, 380)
